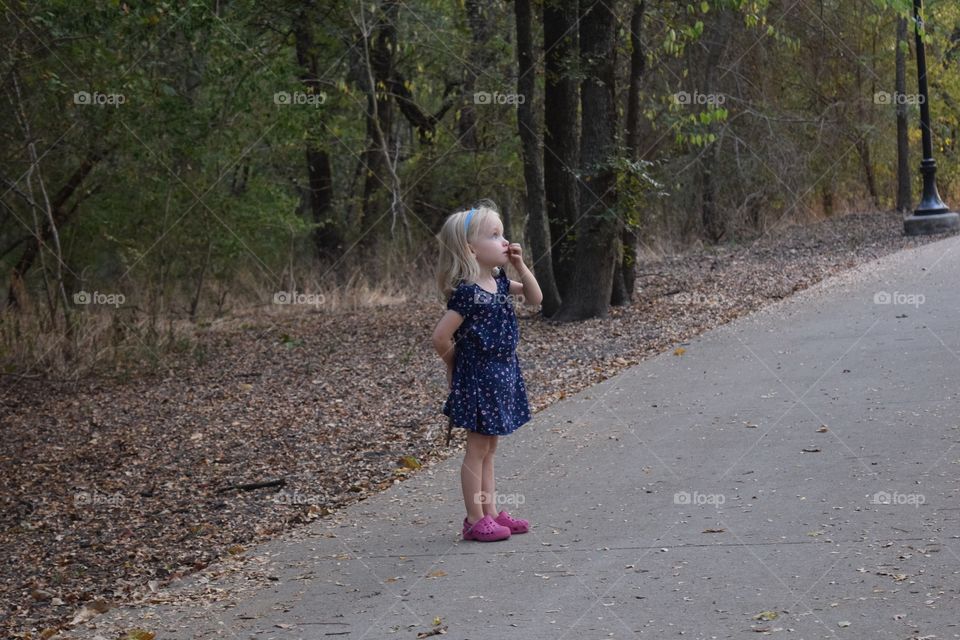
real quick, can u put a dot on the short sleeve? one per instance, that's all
(461, 301)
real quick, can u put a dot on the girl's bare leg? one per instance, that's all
(471, 474)
(488, 484)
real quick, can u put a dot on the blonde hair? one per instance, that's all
(456, 262)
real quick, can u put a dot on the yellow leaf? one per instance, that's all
(410, 462)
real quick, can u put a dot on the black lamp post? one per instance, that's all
(931, 215)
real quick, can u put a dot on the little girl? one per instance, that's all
(477, 339)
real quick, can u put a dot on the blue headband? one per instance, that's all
(466, 224)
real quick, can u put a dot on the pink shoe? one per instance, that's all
(516, 525)
(485, 530)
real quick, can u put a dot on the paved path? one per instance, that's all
(684, 497)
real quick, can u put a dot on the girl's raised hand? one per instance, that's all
(515, 254)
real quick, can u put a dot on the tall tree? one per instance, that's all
(715, 41)
(480, 20)
(538, 231)
(598, 226)
(904, 199)
(377, 61)
(561, 126)
(327, 239)
(624, 276)
(865, 122)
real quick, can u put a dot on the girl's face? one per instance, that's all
(490, 246)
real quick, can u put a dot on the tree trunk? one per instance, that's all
(379, 113)
(863, 144)
(624, 278)
(826, 198)
(863, 148)
(480, 21)
(538, 231)
(638, 65)
(327, 240)
(560, 153)
(61, 215)
(714, 226)
(598, 227)
(904, 198)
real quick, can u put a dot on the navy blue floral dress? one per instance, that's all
(487, 394)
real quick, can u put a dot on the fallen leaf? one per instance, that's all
(90, 610)
(410, 462)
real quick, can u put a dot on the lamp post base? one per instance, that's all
(925, 225)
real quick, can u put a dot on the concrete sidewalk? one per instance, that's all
(694, 496)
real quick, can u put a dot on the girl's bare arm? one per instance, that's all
(529, 288)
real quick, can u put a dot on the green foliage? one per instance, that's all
(204, 170)
(637, 188)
